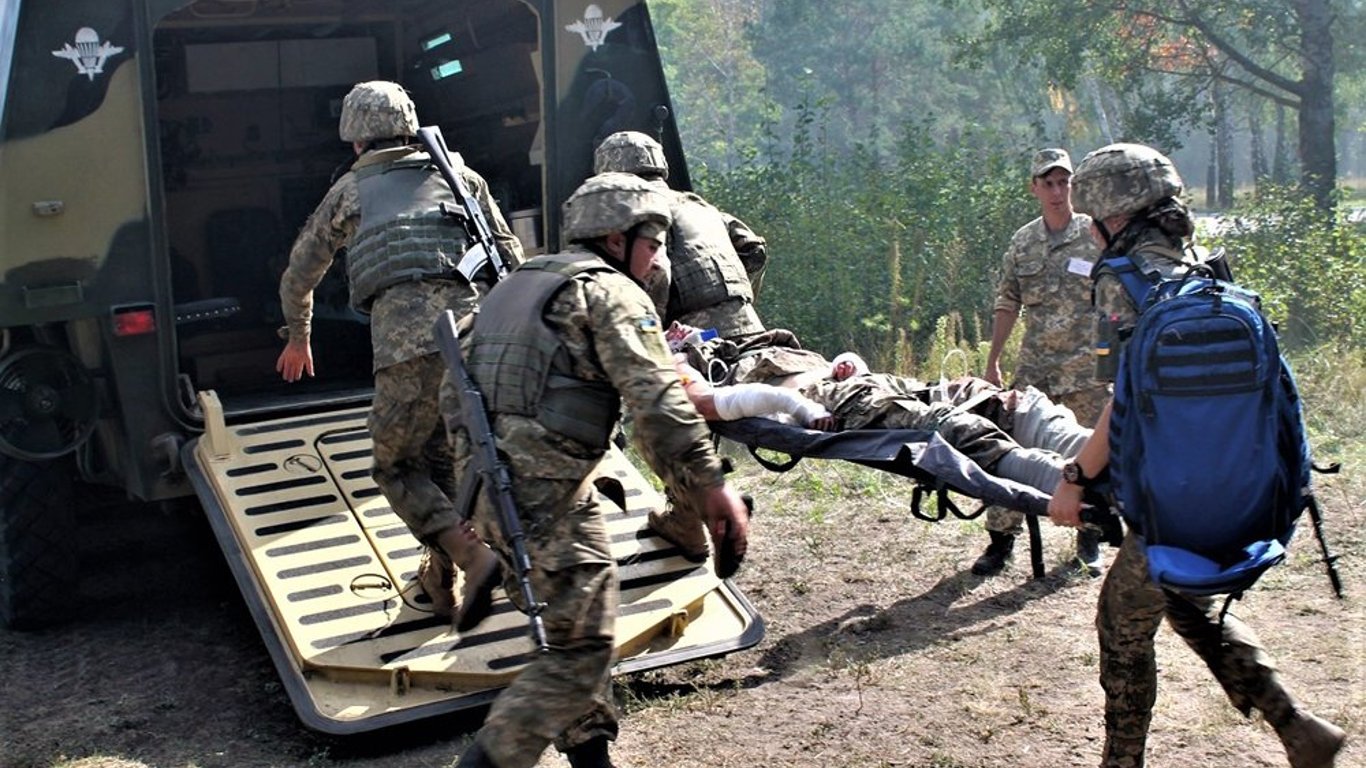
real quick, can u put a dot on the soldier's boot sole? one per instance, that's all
(685, 533)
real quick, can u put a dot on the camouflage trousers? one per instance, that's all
(412, 454)
(1038, 422)
(1086, 403)
(563, 697)
(1130, 611)
(977, 437)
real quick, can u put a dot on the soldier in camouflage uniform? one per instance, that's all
(1131, 192)
(556, 349)
(716, 263)
(1046, 271)
(402, 269)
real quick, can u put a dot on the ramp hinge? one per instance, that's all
(400, 681)
(216, 435)
(677, 622)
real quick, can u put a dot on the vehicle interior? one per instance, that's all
(248, 98)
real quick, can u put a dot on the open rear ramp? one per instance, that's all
(328, 571)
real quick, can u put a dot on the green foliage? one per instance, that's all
(1331, 379)
(1309, 268)
(868, 253)
(717, 84)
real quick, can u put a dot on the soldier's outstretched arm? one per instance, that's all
(330, 227)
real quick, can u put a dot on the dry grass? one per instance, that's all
(881, 649)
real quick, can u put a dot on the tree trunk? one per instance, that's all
(1280, 162)
(1261, 171)
(1212, 174)
(1223, 148)
(1318, 154)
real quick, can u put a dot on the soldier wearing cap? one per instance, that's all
(716, 263)
(1132, 193)
(1046, 273)
(556, 349)
(402, 259)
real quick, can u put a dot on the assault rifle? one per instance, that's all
(1330, 559)
(487, 472)
(470, 213)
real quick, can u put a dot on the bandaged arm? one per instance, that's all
(742, 400)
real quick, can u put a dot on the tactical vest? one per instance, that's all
(403, 234)
(706, 269)
(523, 367)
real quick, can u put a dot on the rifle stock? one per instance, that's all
(471, 215)
(489, 472)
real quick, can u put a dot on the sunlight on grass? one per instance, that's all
(1332, 381)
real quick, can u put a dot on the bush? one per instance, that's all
(1309, 269)
(869, 252)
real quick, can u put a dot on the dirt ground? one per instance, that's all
(881, 650)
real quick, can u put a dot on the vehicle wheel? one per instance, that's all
(38, 561)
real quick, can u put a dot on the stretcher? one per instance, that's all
(923, 456)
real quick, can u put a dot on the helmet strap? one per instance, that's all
(622, 265)
(1104, 232)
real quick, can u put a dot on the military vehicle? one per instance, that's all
(156, 159)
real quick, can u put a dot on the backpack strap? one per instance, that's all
(1136, 282)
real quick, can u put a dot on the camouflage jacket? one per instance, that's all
(1055, 293)
(611, 333)
(1112, 300)
(402, 316)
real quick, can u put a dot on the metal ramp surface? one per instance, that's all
(328, 572)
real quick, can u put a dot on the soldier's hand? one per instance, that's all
(993, 373)
(826, 423)
(296, 360)
(1065, 506)
(727, 517)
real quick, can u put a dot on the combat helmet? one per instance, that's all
(613, 202)
(631, 152)
(1123, 179)
(377, 109)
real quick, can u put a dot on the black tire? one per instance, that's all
(38, 548)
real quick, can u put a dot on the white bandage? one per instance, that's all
(743, 400)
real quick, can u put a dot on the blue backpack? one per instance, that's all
(1208, 458)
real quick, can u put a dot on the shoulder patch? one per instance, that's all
(653, 336)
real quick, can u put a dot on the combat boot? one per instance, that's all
(481, 573)
(590, 754)
(998, 553)
(683, 529)
(476, 757)
(1310, 741)
(1088, 552)
(436, 579)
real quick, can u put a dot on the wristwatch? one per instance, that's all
(1071, 473)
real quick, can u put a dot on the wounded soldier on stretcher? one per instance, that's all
(1019, 435)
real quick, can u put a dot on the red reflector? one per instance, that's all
(134, 322)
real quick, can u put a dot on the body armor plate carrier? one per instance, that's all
(403, 234)
(523, 367)
(706, 270)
